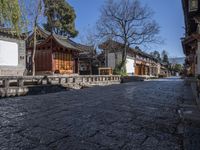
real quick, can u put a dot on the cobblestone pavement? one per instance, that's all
(131, 116)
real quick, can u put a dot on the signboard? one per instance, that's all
(8, 53)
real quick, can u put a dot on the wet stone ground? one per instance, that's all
(131, 116)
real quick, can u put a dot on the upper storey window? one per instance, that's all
(193, 5)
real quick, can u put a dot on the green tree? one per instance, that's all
(178, 68)
(10, 14)
(165, 58)
(60, 18)
(156, 55)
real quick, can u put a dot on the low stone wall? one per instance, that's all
(137, 78)
(132, 79)
(195, 85)
(18, 86)
(196, 94)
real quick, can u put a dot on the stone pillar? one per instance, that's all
(20, 82)
(74, 80)
(6, 83)
(67, 80)
(62, 80)
(49, 80)
(44, 81)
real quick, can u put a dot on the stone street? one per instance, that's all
(131, 116)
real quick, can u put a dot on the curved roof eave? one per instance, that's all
(65, 43)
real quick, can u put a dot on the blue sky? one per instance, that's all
(168, 14)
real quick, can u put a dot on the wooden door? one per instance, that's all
(43, 60)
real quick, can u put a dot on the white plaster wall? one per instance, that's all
(8, 53)
(158, 69)
(130, 66)
(118, 57)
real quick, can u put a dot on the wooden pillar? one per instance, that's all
(99, 71)
(78, 66)
(90, 67)
(52, 58)
(142, 72)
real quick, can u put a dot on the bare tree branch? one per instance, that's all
(129, 22)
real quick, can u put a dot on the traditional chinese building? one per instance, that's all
(54, 54)
(191, 41)
(138, 63)
(113, 56)
(12, 53)
(145, 64)
(88, 61)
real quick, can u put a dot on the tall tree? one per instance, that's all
(60, 18)
(178, 68)
(10, 14)
(38, 11)
(165, 58)
(34, 12)
(156, 55)
(128, 22)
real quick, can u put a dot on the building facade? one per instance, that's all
(146, 65)
(191, 41)
(113, 56)
(88, 61)
(138, 63)
(54, 54)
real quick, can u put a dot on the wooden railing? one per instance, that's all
(105, 71)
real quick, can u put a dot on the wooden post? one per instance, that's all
(78, 66)
(99, 71)
(90, 67)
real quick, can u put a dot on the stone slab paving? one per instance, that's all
(131, 116)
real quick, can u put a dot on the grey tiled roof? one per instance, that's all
(66, 42)
(115, 44)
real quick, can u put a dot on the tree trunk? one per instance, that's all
(34, 50)
(124, 56)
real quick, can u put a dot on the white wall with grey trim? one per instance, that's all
(12, 57)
